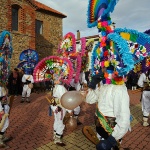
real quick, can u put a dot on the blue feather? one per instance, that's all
(126, 56)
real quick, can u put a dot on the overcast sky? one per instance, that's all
(132, 14)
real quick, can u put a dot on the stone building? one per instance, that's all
(32, 25)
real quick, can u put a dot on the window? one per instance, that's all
(38, 27)
(15, 18)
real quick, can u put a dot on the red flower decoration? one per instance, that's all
(105, 53)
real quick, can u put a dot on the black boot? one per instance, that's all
(22, 100)
(58, 140)
(2, 144)
(27, 100)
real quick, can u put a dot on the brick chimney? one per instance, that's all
(78, 35)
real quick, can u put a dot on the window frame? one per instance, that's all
(38, 27)
(15, 18)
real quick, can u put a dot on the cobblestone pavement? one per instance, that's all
(31, 127)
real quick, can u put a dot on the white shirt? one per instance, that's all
(113, 101)
(2, 91)
(77, 85)
(142, 79)
(27, 77)
(1, 108)
(82, 78)
(58, 91)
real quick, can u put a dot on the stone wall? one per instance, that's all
(24, 38)
(3, 15)
(45, 44)
(20, 43)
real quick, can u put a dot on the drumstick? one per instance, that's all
(48, 99)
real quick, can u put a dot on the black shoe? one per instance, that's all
(2, 145)
(60, 144)
(7, 139)
(79, 123)
(22, 101)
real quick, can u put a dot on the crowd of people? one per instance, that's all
(19, 79)
(112, 114)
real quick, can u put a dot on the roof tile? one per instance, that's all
(44, 7)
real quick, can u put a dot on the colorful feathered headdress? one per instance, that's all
(68, 50)
(55, 68)
(29, 58)
(114, 46)
(5, 56)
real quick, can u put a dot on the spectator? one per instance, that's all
(14, 83)
(21, 73)
(132, 79)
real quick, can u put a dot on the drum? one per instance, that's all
(30, 85)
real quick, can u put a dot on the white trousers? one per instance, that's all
(77, 110)
(26, 91)
(6, 123)
(58, 120)
(146, 103)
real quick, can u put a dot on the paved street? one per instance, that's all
(32, 128)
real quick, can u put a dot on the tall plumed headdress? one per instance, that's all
(55, 68)
(114, 46)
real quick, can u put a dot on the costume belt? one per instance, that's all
(106, 122)
(26, 83)
(111, 121)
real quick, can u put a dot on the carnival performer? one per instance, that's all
(112, 112)
(144, 83)
(27, 80)
(4, 113)
(59, 113)
(77, 87)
